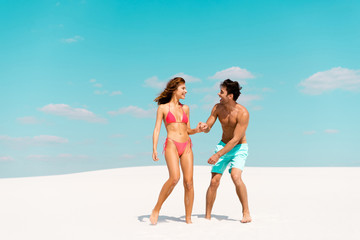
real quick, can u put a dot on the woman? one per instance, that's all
(177, 145)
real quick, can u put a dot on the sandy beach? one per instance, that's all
(285, 203)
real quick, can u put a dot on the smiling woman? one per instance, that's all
(177, 145)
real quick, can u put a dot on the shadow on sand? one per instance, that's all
(217, 217)
(163, 218)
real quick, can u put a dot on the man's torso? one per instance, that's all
(228, 120)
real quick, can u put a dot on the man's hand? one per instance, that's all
(203, 126)
(213, 159)
(154, 156)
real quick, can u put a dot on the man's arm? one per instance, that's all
(211, 120)
(239, 133)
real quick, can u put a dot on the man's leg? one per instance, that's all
(242, 193)
(211, 193)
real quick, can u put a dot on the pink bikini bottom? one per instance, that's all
(179, 146)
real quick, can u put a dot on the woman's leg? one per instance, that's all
(172, 161)
(187, 166)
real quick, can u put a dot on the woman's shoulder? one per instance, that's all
(185, 107)
(163, 106)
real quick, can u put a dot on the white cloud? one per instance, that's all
(233, 73)
(73, 39)
(65, 155)
(212, 99)
(135, 111)
(62, 156)
(247, 99)
(187, 78)
(103, 92)
(98, 92)
(49, 139)
(331, 131)
(335, 78)
(114, 93)
(38, 157)
(193, 106)
(309, 132)
(257, 108)
(72, 113)
(41, 139)
(28, 120)
(267, 89)
(154, 82)
(6, 158)
(214, 88)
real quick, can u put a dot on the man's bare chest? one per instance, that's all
(227, 120)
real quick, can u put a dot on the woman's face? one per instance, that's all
(181, 91)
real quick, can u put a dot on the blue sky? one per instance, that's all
(78, 79)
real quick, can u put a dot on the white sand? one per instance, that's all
(285, 203)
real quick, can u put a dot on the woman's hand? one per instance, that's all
(198, 128)
(154, 156)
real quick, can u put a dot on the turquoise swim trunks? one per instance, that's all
(236, 157)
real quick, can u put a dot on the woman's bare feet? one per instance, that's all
(246, 218)
(188, 220)
(154, 217)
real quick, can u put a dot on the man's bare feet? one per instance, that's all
(246, 218)
(208, 217)
(154, 217)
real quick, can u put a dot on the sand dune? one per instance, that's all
(285, 203)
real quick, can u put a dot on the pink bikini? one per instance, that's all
(170, 118)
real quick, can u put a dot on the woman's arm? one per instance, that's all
(189, 130)
(159, 116)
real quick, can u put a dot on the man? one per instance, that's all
(232, 149)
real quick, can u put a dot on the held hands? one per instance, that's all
(154, 156)
(201, 127)
(213, 159)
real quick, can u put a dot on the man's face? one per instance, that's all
(224, 98)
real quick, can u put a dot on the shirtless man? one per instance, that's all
(232, 149)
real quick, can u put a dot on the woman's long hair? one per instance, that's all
(171, 86)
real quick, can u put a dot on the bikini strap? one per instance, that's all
(183, 109)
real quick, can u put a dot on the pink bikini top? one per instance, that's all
(170, 118)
